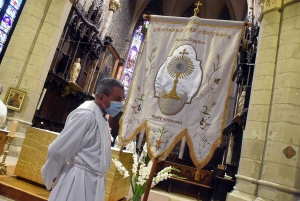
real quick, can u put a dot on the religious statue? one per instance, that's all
(240, 106)
(241, 100)
(75, 70)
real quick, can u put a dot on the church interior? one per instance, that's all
(54, 52)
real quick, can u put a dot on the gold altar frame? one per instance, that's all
(14, 99)
(117, 58)
(108, 56)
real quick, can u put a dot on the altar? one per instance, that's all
(34, 153)
(23, 181)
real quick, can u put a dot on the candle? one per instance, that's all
(182, 147)
(13, 128)
(41, 99)
(141, 137)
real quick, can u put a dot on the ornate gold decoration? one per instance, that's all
(33, 154)
(72, 88)
(179, 68)
(117, 186)
(2, 164)
(114, 5)
(196, 10)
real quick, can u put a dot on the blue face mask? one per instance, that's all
(114, 108)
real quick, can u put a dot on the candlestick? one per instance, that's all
(2, 164)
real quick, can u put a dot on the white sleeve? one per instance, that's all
(65, 146)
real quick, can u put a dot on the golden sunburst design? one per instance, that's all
(179, 68)
(182, 65)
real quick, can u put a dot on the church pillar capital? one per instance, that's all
(114, 5)
(267, 6)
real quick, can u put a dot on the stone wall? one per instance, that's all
(120, 26)
(29, 55)
(270, 163)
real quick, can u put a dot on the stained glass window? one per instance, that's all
(16, 3)
(6, 23)
(3, 36)
(9, 11)
(133, 54)
(1, 4)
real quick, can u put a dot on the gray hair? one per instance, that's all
(106, 85)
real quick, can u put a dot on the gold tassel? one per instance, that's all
(121, 151)
(122, 147)
(197, 175)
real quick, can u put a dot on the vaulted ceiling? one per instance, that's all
(210, 9)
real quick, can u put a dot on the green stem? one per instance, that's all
(132, 186)
(140, 190)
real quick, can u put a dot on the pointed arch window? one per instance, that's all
(131, 61)
(9, 13)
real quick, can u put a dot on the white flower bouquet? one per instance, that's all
(140, 175)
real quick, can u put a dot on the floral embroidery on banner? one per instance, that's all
(140, 98)
(157, 140)
(205, 106)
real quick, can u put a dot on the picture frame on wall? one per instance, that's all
(14, 99)
(108, 67)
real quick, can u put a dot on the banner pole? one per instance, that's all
(148, 17)
(148, 187)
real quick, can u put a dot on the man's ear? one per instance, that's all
(100, 97)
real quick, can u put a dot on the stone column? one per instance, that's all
(280, 170)
(28, 57)
(113, 6)
(269, 165)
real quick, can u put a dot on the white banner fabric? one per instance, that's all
(181, 85)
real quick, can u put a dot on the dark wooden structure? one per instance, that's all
(201, 189)
(99, 59)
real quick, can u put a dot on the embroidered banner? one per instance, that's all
(181, 85)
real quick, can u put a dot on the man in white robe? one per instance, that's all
(80, 156)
